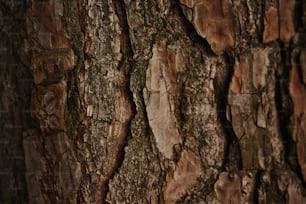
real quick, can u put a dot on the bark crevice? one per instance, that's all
(284, 106)
(232, 158)
(228, 75)
(190, 30)
(124, 66)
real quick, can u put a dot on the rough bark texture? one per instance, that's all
(157, 101)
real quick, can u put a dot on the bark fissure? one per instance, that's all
(257, 186)
(262, 20)
(298, 15)
(156, 101)
(190, 30)
(232, 158)
(284, 109)
(124, 66)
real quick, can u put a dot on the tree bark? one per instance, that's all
(120, 101)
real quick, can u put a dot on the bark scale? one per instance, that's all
(155, 101)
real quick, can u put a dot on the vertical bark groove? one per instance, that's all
(232, 157)
(124, 66)
(284, 107)
(156, 101)
(190, 30)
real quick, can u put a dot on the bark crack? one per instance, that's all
(284, 109)
(190, 30)
(124, 66)
(232, 153)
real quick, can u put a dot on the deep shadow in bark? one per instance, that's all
(190, 30)
(284, 107)
(232, 157)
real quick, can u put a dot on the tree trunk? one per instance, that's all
(119, 101)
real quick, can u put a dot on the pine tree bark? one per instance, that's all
(120, 101)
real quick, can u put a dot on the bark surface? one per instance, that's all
(163, 101)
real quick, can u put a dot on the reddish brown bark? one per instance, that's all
(164, 101)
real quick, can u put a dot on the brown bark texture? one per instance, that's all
(153, 101)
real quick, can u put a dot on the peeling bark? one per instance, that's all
(121, 101)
